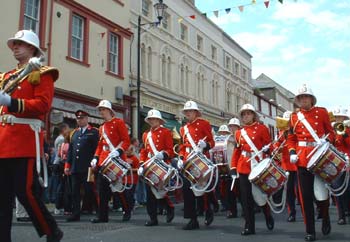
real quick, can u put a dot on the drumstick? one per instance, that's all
(316, 147)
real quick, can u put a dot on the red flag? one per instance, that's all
(241, 8)
(193, 16)
(267, 4)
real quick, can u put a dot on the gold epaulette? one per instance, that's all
(282, 123)
(34, 76)
(331, 116)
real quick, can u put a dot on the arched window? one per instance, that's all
(182, 78)
(149, 63)
(169, 73)
(143, 61)
(163, 77)
(187, 76)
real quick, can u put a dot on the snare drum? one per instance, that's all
(327, 162)
(114, 169)
(268, 177)
(157, 173)
(221, 155)
(197, 168)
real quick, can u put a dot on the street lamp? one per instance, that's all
(160, 8)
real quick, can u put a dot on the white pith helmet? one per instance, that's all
(28, 37)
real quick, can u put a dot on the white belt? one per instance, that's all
(188, 150)
(306, 143)
(246, 153)
(35, 125)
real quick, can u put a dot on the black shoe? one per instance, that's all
(170, 215)
(319, 216)
(73, 218)
(310, 237)
(341, 221)
(56, 236)
(231, 215)
(270, 223)
(24, 219)
(191, 225)
(291, 218)
(247, 232)
(126, 217)
(98, 220)
(151, 222)
(326, 226)
(209, 217)
(216, 208)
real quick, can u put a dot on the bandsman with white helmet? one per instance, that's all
(308, 127)
(157, 142)
(251, 138)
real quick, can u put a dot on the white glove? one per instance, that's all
(140, 171)
(93, 163)
(265, 148)
(294, 158)
(159, 156)
(35, 63)
(322, 141)
(202, 144)
(180, 164)
(114, 153)
(5, 99)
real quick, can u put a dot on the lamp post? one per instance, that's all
(160, 8)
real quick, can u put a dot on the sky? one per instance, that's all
(297, 42)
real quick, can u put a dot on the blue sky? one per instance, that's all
(294, 43)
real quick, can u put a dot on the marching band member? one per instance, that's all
(114, 139)
(228, 197)
(24, 106)
(199, 131)
(342, 143)
(287, 166)
(250, 139)
(132, 179)
(308, 127)
(157, 142)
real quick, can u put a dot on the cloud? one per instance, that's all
(294, 51)
(225, 19)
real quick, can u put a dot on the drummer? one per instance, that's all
(234, 124)
(200, 132)
(342, 143)
(228, 197)
(157, 142)
(308, 128)
(252, 138)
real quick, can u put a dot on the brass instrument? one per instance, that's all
(339, 128)
(331, 116)
(282, 123)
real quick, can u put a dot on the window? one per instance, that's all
(143, 61)
(199, 43)
(113, 53)
(182, 78)
(146, 7)
(149, 63)
(244, 74)
(183, 32)
(236, 68)
(166, 21)
(228, 62)
(31, 15)
(77, 50)
(163, 66)
(169, 72)
(187, 74)
(213, 53)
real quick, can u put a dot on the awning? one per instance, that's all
(92, 120)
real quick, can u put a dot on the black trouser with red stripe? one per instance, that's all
(18, 177)
(306, 190)
(152, 203)
(228, 195)
(291, 192)
(104, 194)
(190, 208)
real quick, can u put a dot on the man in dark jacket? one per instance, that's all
(82, 146)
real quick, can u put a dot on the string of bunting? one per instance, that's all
(228, 10)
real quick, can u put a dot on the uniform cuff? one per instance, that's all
(16, 106)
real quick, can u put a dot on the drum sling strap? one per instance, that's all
(189, 137)
(151, 143)
(35, 125)
(252, 146)
(110, 145)
(302, 119)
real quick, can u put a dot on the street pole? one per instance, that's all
(139, 135)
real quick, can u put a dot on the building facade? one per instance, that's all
(89, 43)
(188, 59)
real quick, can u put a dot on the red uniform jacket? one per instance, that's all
(163, 141)
(117, 132)
(198, 129)
(260, 136)
(318, 118)
(342, 142)
(29, 100)
(135, 164)
(285, 161)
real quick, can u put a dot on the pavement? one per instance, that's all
(222, 229)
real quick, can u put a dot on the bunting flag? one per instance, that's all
(267, 4)
(228, 10)
(216, 13)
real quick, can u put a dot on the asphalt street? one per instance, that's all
(222, 229)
